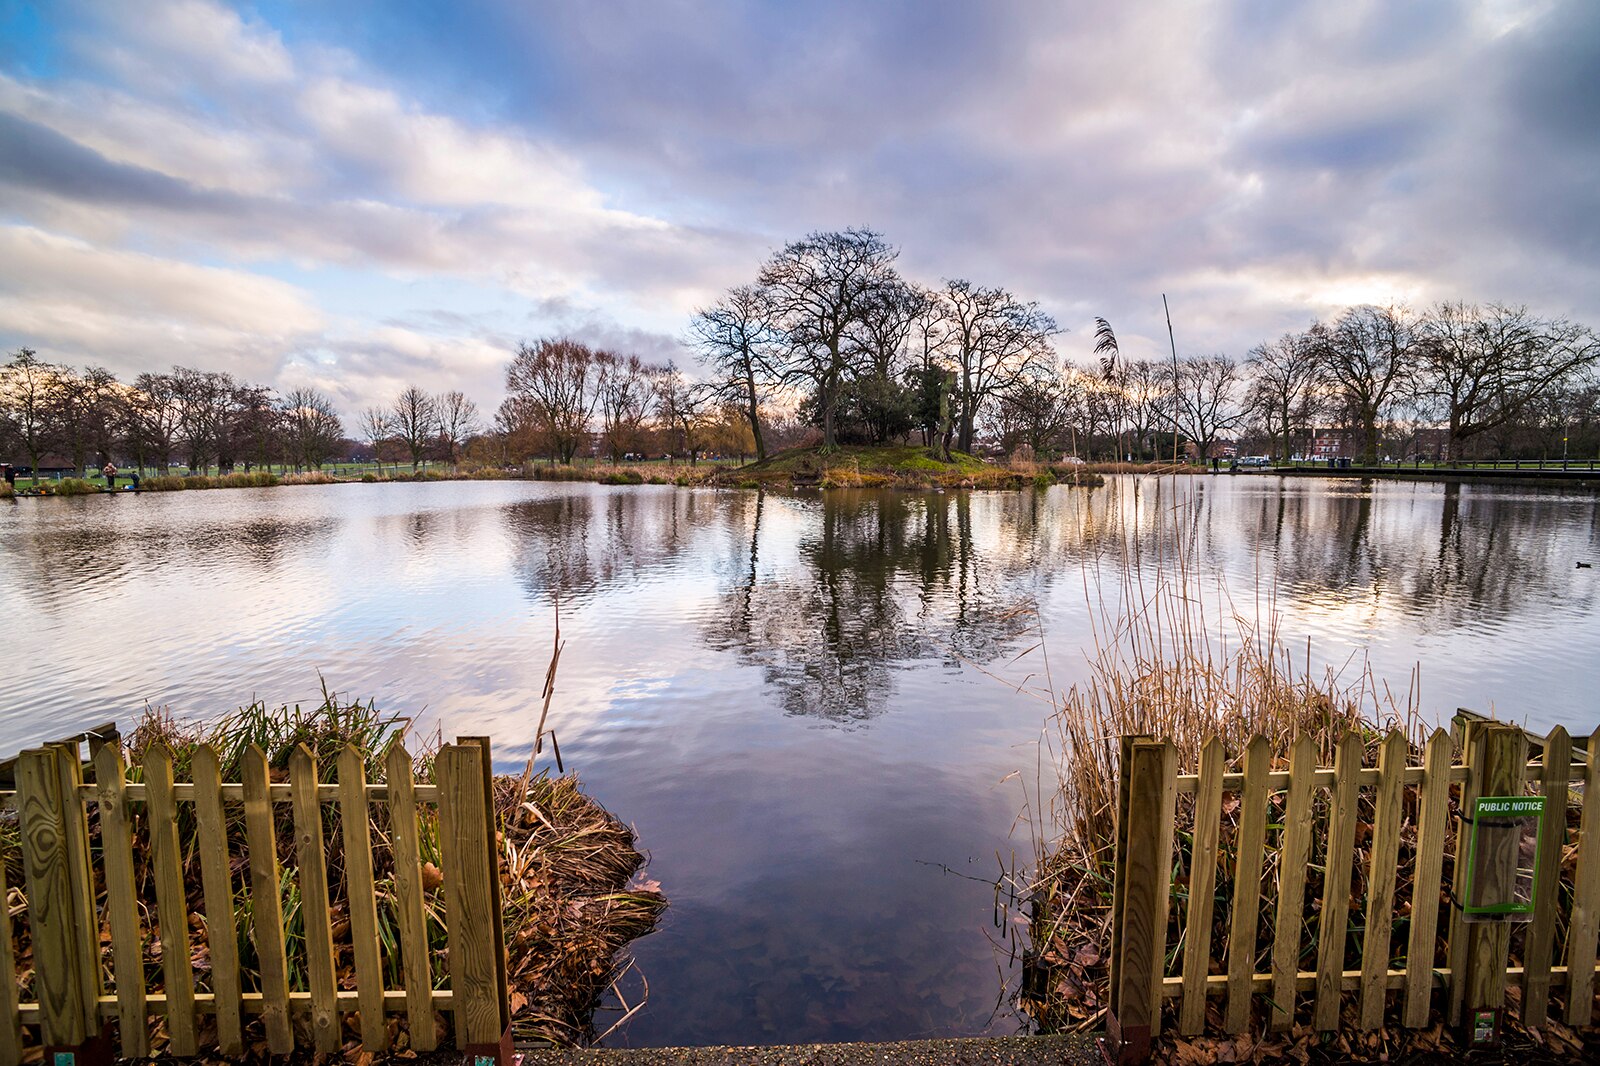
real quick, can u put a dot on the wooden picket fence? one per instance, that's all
(1277, 815)
(81, 894)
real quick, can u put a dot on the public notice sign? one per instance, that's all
(1502, 859)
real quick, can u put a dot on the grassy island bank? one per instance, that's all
(847, 466)
(898, 466)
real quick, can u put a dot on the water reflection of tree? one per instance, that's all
(78, 546)
(879, 580)
(583, 541)
(1455, 555)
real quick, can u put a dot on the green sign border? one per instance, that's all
(1530, 807)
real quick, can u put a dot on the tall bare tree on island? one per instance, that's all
(818, 289)
(996, 341)
(735, 339)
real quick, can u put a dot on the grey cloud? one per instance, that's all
(37, 157)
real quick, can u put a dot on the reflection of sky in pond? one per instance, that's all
(786, 694)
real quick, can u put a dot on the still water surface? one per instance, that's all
(799, 701)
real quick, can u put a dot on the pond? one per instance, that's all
(808, 705)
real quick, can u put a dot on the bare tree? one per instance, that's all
(414, 421)
(85, 414)
(155, 415)
(554, 376)
(29, 394)
(458, 421)
(735, 339)
(1039, 411)
(1482, 367)
(1203, 405)
(375, 429)
(1286, 383)
(257, 425)
(1147, 392)
(682, 407)
(995, 340)
(517, 423)
(1370, 358)
(623, 392)
(313, 428)
(818, 289)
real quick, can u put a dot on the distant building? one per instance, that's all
(51, 465)
(1429, 443)
(1333, 443)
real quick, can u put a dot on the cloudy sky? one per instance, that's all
(360, 196)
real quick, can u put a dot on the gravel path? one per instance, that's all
(1000, 1051)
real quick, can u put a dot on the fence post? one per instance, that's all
(465, 823)
(70, 1038)
(1497, 756)
(1146, 794)
(490, 841)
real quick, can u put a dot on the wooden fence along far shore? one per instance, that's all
(1348, 958)
(110, 971)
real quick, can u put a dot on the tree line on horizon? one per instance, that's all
(200, 419)
(830, 344)
(829, 325)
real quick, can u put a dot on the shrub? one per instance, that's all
(73, 486)
(309, 477)
(622, 477)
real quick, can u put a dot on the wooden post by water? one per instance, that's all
(1332, 926)
(172, 910)
(1499, 757)
(1539, 949)
(1289, 926)
(1141, 896)
(63, 1015)
(1202, 889)
(266, 901)
(464, 826)
(414, 957)
(1586, 898)
(1433, 828)
(10, 1019)
(122, 901)
(1245, 920)
(356, 820)
(216, 879)
(311, 862)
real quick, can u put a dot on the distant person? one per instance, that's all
(134, 477)
(110, 471)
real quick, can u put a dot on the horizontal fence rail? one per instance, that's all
(1329, 896)
(198, 915)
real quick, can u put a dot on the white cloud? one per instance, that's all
(134, 312)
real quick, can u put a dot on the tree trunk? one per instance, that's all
(755, 420)
(1369, 447)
